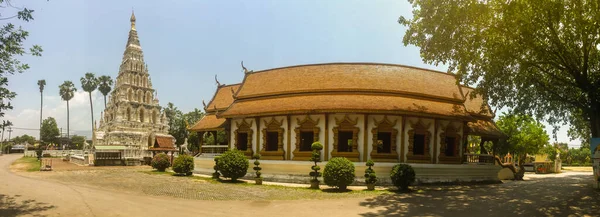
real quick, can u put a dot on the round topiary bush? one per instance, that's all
(339, 172)
(184, 164)
(161, 162)
(233, 164)
(370, 176)
(402, 176)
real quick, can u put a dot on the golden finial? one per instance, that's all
(132, 19)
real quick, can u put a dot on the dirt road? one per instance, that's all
(565, 194)
(32, 197)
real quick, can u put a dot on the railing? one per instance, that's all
(213, 150)
(478, 159)
(54, 153)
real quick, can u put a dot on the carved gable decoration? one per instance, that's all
(346, 122)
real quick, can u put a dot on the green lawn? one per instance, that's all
(31, 164)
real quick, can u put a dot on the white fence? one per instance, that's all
(54, 153)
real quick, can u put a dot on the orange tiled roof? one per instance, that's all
(222, 98)
(208, 122)
(164, 143)
(476, 106)
(362, 77)
(342, 103)
(484, 128)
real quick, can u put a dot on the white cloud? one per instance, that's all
(26, 120)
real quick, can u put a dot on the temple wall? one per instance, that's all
(294, 123)
(372, 119)
(408, 126)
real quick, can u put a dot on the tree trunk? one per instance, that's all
(519, 175)
(92, 109)
(68, 122)
(595, 120)
(41, 109)
(104, 101)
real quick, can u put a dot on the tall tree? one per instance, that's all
(49, 131)
(104, 85)
(78, 141)
(67, 92)
(41, 84)
(536, 56)
(524, 136)
(11, 42)
(89, 83)
(176, 123)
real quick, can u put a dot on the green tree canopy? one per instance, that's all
(77, 141)
(536, 56)
(524, 134)
(104, 86)
(24, 138)
(49, 131)
(11, 44)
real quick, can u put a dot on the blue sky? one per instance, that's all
(186, 43)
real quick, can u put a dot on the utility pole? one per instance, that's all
(9, 132)
(2, 140)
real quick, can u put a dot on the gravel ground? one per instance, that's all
(142, 180)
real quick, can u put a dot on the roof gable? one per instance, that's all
(223, 97)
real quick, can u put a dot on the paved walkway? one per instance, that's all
(566, 194)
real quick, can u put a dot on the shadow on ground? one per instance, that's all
(12, 206)
(556, 196)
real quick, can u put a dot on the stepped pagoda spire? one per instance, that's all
(132, 120)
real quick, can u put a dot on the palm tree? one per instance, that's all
(104, 85)
(89, 83)
(41, 84)
(67, 92)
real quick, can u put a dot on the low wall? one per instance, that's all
(297, 171)
(77, 159)
(54, 153)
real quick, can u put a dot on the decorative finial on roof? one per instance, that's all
(132, 19)
(217, 81)
(245, 69)
(204, 104)
(233, 93)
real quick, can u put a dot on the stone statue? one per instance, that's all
(184, 147)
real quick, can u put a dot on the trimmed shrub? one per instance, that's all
(256, 167)
(316, 158)
(184, 164)
(339, 172)
(161, 162)
(402, 175)
(370, 176)
(233, 164)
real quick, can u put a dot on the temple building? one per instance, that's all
(133, 125)
(361, 111)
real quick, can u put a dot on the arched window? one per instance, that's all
(142, 115)
(129, 95)
(154, 115)
(140, 97)
(128, 114)
(148, 97)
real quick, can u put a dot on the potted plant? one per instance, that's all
(258, 179)
(316, 157)
(370, 176)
